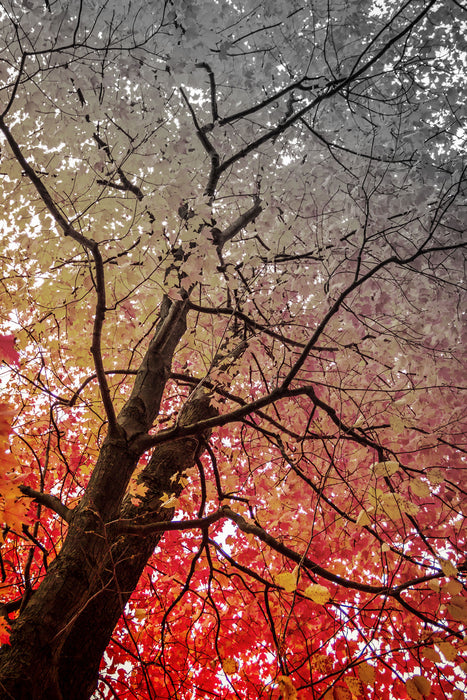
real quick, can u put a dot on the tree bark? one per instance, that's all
(58, 640)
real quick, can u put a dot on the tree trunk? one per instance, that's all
(59, 638)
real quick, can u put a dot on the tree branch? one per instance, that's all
(257, 531)
(127, 185)
(212, 83)
(145, 442)
(130, 526)
(228, 311)
(49, 501)
(208, 147)
(243, 220)
(249, 528)
(89, 245)
(138, 414)
(332, 88)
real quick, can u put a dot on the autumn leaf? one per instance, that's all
(452, 587)
(397, 424)
(362, 519)
(6, 415)
(458, 695)
(435, 476)
(448, 568)
(13, 507)
(229, 666)
(317, 593)
(431, 654)
(7, 349)
(418, 687)
(341, 693)
(137, 490)
(457, 608)
(385, 468)
(366, 673)
(322, 663)
(287, 580)
(169, 500)
(420, 488)
(287, 688)
(355, 686)
(448, 650)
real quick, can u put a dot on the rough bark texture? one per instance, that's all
(58, 640)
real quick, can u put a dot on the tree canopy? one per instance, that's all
(233, 383)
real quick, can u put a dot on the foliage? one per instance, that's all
(234, 266)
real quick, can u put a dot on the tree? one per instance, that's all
(234, 265)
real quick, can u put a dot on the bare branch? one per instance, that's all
(212, 82)
(251, 323)
(208, 147)
(332, 88)
(243, 220)
(126, 185)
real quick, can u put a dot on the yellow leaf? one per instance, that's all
(181, 479)
(448, 651)
(341, 693)
(396, 424)
(137, 489)
(287, 580)
(435, 476)
(385, 468)
(287, 688)
(448, 568)
(391, 506)
(229, 666)
(169, 501)
(362, 519)
(408, 507)
(318, 594)
(374, 496)
(366, 673)
(457, 695)
(457, 608)
(420, 488)
(418, 687)
(140, 613)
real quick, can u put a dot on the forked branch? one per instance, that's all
(89, 245)
(49, 501)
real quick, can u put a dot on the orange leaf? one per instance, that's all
(341, 693)
(287, 688)
(418, 687)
